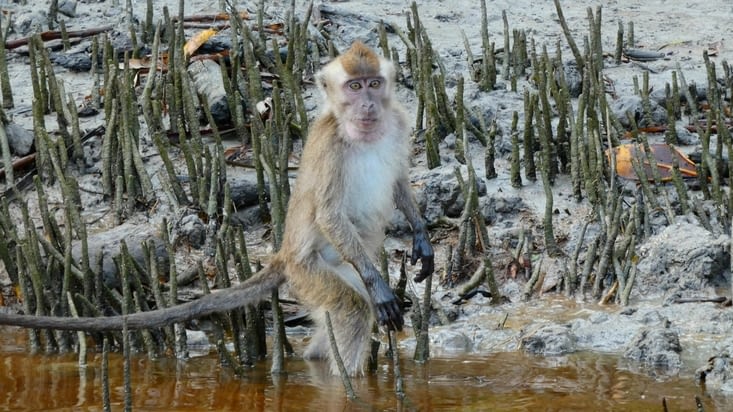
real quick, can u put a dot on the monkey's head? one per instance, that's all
(358, 86)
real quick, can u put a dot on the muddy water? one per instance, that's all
(506, 381)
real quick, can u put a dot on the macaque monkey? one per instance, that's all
(354, 171)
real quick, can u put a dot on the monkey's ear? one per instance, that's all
(320, 79)
(387, 70)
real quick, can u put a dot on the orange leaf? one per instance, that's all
(196, 41)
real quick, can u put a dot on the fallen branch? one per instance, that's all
(717, 299)
(643, 55)
(212, 17)
(54, 35)
(21, 163)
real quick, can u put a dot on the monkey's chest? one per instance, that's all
(370, 187)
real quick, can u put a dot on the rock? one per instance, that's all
(442, 194)
(503, 144)
(31, 22)
(656, 347)
(603, 332)
(495, 208)
(573, 78)
(653, 317)
(398, 224)
(480, 116)
(244, 191)
(439, 196)
(247, 216)
(550, 340)
(451, 340)
(658, 221)
(104, 247)
(76, 62)
(659, 96)
(121, 42)
(495, 340)
(554, 270)
(19, 139)
(348, 26)
(90, 159)
(512, 290)
(686, 137)
(717, 373)
(112, 11)
(632, 104)
(197, 341)
(193, 229)
(683, 257)
(217, 44)
(67, 8)
(699, 92)
(450, 143)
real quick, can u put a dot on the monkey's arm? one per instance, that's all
(253, 290)
(421, 247)
(338, 229)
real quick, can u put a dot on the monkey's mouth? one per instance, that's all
(366, 123)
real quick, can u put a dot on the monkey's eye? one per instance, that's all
(354, 85)
(375, 83)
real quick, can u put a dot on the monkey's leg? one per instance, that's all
(318, 347)
(338, 290)
(352, 320)
(352, 336)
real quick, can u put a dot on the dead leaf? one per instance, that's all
(196, 41)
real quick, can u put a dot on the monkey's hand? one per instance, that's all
(389, 308)
(423, 250)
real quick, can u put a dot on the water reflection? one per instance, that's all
(505, 381)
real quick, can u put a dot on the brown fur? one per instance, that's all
(360, 61)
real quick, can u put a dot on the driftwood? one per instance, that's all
(642, 55)
(206, 75)
(211, 17)
(21, 163)
(702, 299)
(55, 35)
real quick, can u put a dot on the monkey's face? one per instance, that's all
(358, 87)
(363, 104)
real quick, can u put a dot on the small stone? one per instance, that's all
(67, 8)
(549, 340)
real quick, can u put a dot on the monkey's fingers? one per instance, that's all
(427, 268)
(390, 315)
(421, 248)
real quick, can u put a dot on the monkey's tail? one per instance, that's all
(254, 289)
